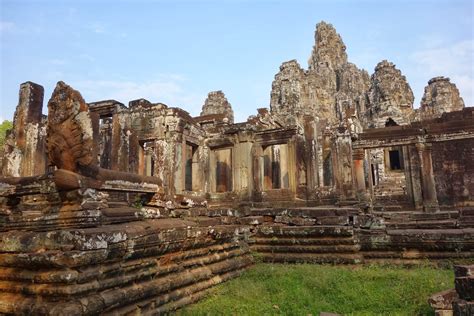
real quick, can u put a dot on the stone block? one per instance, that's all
(465, 287)
(443, 300)
(463, 271)
(463, 308)
(333, 220)
(251, 220)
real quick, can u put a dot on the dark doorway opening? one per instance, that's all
(223, 171)
(395, 161)
(327, 169)
(189, 173)
(374, 174)
(275, 167)
(390, 122)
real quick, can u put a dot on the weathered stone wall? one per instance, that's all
(151, 139)
(453, 166)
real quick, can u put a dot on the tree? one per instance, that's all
(6, 125)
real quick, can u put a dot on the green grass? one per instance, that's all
(278, 289)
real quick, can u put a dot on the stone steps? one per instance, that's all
(466, 217)
(304, 231)
(317, 211)
(149, 265)
(305, 241)
(312, 244)
(352, 258)
(382, 256)
(427, 224)
(305, 249)
(150, 293)
(418, 240)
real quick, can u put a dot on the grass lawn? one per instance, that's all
(269, 289)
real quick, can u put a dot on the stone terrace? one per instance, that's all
(109, 209)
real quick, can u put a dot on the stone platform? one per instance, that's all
(144, 266)
(88, 252)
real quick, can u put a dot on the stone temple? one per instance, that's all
(114, 209)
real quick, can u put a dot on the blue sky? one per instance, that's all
(175, 52)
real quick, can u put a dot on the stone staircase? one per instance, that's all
(393, 184)
(419, 220)
(392, 191)
(466, 217)
(321, 234)
(309, 244)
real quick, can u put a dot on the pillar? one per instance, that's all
(358, 161)
(242, 169)
(428, 186)
(343, 166)
(370, 173)
(291, 165)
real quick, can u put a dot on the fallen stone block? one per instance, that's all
(465, 287)
(443, 300)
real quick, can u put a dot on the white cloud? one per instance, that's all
(455, 58)
(57, 62)
(87, 57)
(167, 89)
(6, 26)
(454, 61)
(97, 27)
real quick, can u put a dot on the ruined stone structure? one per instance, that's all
(107, 208)
(25, 148)
(460, 300)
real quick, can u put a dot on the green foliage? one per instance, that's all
(277, 289)
(6, 125)
(139, 202)
(257, 257)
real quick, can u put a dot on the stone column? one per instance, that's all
(178, 162)
(243, 184)
(310, 154)
(358, 161)
(343, 162)
(205, 165)
(25, 152)
(370, 173)
(291, 165)
(428, 186)
(257, 159)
